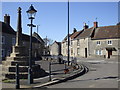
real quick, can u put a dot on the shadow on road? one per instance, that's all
(109, 77)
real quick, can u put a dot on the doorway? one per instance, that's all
(109, 53)
(85, 52)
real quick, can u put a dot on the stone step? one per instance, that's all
(24, 75)
(4, 63)
(21, 63)
(13, 69)
(13, 75)
(16, 55)
(13, 63)
(21, 58)
(21, 68)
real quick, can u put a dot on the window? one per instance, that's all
(8, 53)
(23, 43)
(109, 42)
(98, 52)
(66, 43)
(98, 43)
(71, 51)
(71, 42)
(63, 51)
(78, 43)
(78, 51)
(3, 39)
(13, 41)
(3, 53)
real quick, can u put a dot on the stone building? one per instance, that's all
(72, 47)
(9, 39)
(55, 48)
(106, 42)
(94, 42)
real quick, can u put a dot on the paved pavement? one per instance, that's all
(102, 74)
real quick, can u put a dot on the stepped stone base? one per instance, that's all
(23, 74)
(20, 57)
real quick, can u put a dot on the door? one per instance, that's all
(109, 53)
(85, 52)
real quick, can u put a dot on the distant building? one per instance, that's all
(94, 42)
(9, 39)
(55, 48)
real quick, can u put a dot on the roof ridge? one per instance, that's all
(107, 26)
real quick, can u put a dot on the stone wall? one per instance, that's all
(55, 49)
(103, 45)
(7, 46)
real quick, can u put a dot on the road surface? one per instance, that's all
(102, 74)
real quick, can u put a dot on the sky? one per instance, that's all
(53, 16)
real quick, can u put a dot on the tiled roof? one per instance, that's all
(9, 30)
(86, 33)
(27, 38)
(66, 37)
(75, 34)
(107, 32)
(38, 37)
(6, 28)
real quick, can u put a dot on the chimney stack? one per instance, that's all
(85, 26)
(95, 24)
(7, 19)
(74, 30)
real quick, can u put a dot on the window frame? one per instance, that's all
(98, 52)
(3, 52)
(78, 42)
(71, 51)
(108, 42)
(13, 41)
(98, 43)
(3, 40)
(78, 51)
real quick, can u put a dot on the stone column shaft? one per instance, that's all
(19, 29)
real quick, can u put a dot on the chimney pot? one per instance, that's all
(7, 19)
(85, 26)
(95, 24)
(74, 30)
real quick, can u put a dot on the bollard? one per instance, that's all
(65, 65)
(17, 77)
(50, 71)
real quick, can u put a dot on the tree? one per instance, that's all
(48, 41)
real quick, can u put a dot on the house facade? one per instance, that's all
(94, 42)
(55, 48)
(106, 42)
(8, 39)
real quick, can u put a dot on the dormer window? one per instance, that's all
(98, 43)
(109, 42)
